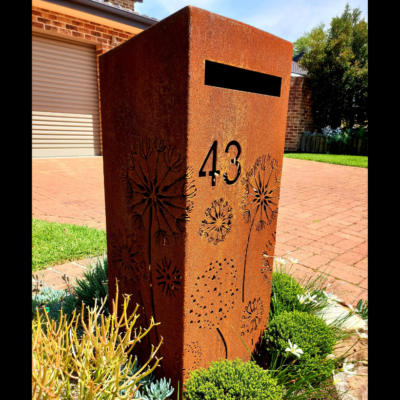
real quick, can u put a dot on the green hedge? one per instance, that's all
(232, 380)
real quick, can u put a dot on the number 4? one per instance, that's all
(214, 172)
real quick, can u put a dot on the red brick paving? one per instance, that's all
(322, 217)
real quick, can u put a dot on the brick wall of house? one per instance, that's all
(300, 117)
(126, 4)
(100, 35)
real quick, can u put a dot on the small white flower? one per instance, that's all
(311, 298)
(352, 311)
(280, 260)
(302, 299)
(331, 296)
(362, 335)
(329, 284)
(338, 380)
(347, 367)
(293, 261)
(294, 349)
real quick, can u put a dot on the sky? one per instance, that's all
(288, 19)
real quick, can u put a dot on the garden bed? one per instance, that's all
(307, 351)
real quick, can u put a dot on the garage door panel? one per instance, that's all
(49, 87)
(65, 108)
(64, 115)
(43, 79)
(83, 97)
(65, 66)
(64, 72)
(41, 136)
(50, 119)
(56, 108)
(54, 53)
(61, 42)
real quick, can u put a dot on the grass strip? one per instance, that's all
(340, 159)
(54, 243)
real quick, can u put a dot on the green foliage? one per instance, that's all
(340, 159)
(285, 290)
(94, 285)
(54, 243)
(337, 64)
(55, 300)
(159, 390)
(311, 335)
(150, 390)
(231, 380)
(362, 309)
(310, 40)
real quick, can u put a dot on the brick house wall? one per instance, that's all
(100, 35)
(125, 4)
(300, 117)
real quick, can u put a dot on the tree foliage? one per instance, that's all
(337, 64)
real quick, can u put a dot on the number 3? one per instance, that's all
(233, 161)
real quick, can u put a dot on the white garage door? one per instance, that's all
(65, 107)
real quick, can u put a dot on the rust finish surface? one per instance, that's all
(192, 178)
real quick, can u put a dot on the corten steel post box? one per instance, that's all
(193, 119)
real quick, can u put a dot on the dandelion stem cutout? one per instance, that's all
(158, 184)
(260, 198)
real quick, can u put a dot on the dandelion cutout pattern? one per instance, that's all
(156, 183)
(259, 203)
(216, 294)
(128, 256)
(252, 316)
(218, 222)
(169, 278)
(194, 349)
(159, 190)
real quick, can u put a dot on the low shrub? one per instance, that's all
(232, 380)
(311, 335)
(284, 294)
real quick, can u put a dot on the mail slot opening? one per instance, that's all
(234, 78)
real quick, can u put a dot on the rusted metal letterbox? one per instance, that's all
(193, 119)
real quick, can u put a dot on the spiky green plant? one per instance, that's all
(94, 285)
(65, 366)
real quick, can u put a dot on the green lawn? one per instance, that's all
(54, 243)
(353, 161)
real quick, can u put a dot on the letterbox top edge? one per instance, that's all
(192, 10)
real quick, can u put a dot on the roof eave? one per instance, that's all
(108, 12)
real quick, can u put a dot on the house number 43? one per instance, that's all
(214, 171)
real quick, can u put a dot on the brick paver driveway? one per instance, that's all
(322, 217)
